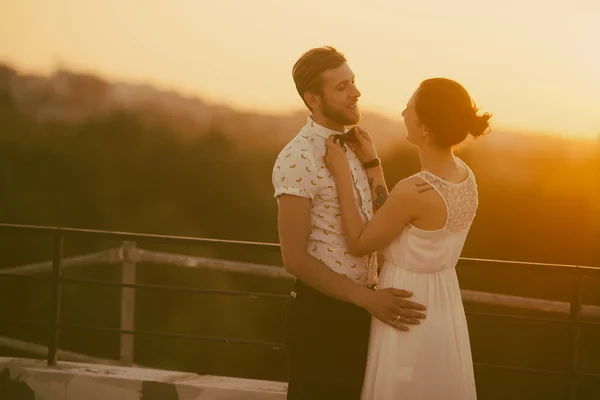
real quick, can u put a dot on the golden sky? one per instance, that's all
(534, 63)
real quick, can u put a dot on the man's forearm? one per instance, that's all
(320, 277)
(379, 190)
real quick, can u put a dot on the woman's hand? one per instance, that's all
(337, 161)
(361, 143)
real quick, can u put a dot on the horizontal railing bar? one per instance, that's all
(30, 228)
(518, 317)
(24, 277)
(274, 345)
(186, 261)
(530, 263)
(536, 370)
(173, 288)
(109, 256)
(147, 237)
(519, 368)
(525, 303)
(23, 322)
(530, 318)
(191, 240)
(42, 351)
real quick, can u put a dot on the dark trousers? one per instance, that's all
(327, 343)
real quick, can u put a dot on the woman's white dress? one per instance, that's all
(433, 360)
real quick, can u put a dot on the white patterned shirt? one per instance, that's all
(300, 170)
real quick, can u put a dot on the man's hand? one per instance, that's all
(336, 161)
(390, 306)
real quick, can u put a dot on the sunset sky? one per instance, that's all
(534, 64)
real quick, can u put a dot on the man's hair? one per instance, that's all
(310, 66)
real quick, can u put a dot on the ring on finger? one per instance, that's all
(398, 318)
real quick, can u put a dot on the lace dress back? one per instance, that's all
(460, 199)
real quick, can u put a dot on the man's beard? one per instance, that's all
(339, 116)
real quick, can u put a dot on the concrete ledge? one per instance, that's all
(26, 379)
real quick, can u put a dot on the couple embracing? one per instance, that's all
(375, 312)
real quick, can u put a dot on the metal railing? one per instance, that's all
(129, 255)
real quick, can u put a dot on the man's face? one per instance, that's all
(339, 98)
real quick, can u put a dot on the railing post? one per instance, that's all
(127, 302)
(57, 254)
(575, 316)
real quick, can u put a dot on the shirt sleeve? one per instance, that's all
(294, 173)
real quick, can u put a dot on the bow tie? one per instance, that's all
(342, 138)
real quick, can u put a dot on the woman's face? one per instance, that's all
(415, 129)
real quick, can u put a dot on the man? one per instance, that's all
(329, 311)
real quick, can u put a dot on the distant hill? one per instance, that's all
(74, 97)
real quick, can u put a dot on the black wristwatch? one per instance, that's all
(373, 163)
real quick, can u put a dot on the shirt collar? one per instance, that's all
(320, 130)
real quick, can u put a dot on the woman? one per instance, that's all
(420, 229)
